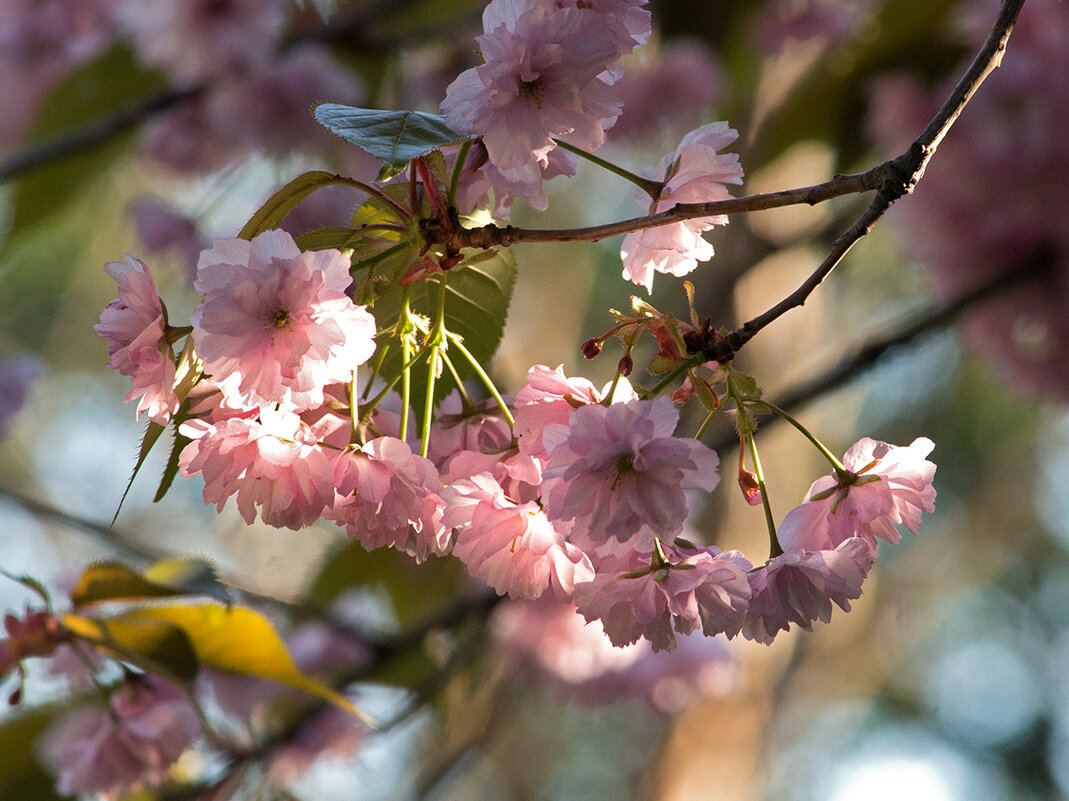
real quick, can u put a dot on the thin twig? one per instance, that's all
(869, 354)
(905, 172)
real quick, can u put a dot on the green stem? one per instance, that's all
(774, 546)
(465, 398)
(458, 168)
(406, 388)
(369, 405)
(354, 416)
(647, 185)
(835, 463)
(456, 342)
(705, 424)
(428, 403)
(681, 368)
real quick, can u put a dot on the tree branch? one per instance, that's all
(903, 174)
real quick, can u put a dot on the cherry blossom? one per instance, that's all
(886, 486)
(634, 597)
(135, 326)
(549, 397)
(618, 472)
(97, 750)
(272, 461)
(799, 586)
(388, 496)
(695, 173)
(538, 80)
(276, 325)
(512, 546)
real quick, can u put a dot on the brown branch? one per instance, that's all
(489, 236)
(1036, 267)
(904, 173)
(893, 179)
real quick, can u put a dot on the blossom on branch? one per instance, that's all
(799, 586)
(620, 475)
(695, 173)
(513, 546)
(272, 461)
(135, 326)
(276, 325)
(887, 486)
(388, 496)
(636, 598)
(539, 79)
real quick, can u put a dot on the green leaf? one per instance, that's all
(416, 591)
(170, 578)
(236, 640)
(285, 200)
(661, 364)
(393, 137)
(478, 293)
(331, 237)
(157, 646)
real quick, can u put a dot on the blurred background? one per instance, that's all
(150, 127)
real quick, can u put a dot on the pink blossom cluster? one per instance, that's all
(585, 494)
(547, 71)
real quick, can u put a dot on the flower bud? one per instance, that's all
(626, 365)
(751, 490)
(591, 348)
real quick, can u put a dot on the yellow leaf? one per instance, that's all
(238, 640)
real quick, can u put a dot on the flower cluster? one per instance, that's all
(585, 494)
(565, 487)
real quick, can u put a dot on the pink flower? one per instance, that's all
(512, 546)
(96, 750)
(618, 472)
(135, 326)
(636, 598)
(549, 397)
(388, 495)
(272, 461)
(538, 80)
(887, 486)
(276, 325)
(694, 173)
(799, 587)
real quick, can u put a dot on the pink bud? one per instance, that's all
(751, 490)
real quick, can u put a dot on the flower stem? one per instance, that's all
(773, 541)
(456, 342)
(835, 463)
(647, 185)
(458, 168)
